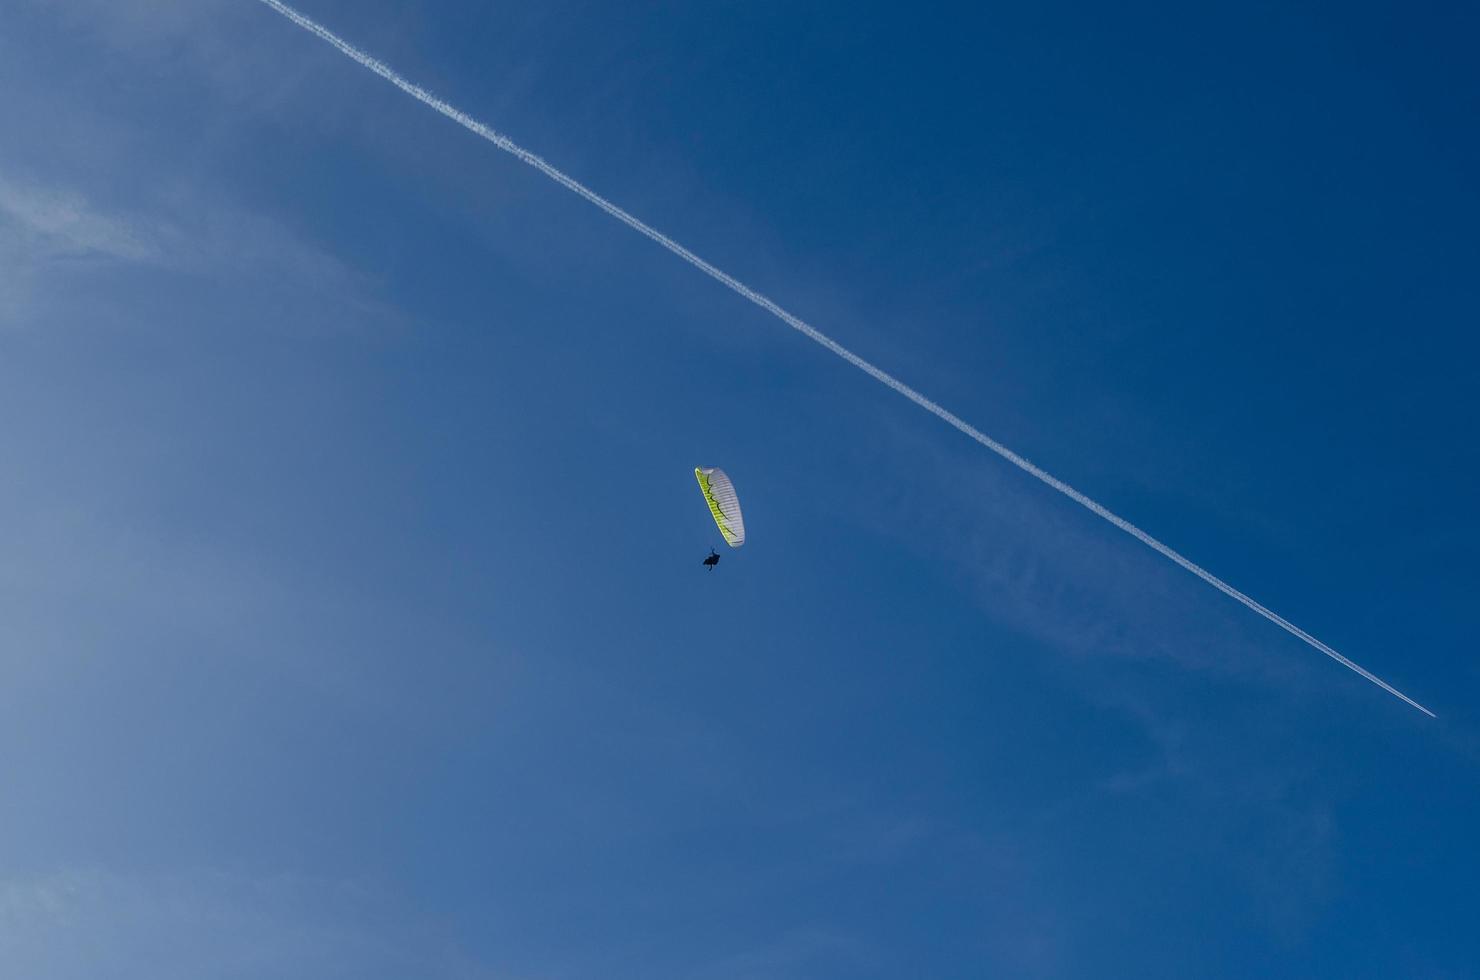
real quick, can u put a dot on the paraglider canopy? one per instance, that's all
(724, 506)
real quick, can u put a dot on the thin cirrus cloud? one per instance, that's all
(57, 222)
(54, 236)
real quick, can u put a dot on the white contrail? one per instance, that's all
(569, 183)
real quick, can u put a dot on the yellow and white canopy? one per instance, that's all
(719, 493)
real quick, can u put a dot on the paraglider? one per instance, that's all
(724, 507)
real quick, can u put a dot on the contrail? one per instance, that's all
(812, 333)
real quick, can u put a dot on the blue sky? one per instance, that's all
(351, 617)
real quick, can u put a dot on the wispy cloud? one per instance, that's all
(108, 204)
(1044, 571)
(57, 233)
(58, 246)
(49, 222)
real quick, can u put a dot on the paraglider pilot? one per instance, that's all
(712, 560)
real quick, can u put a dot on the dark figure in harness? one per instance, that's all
(712, 560)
